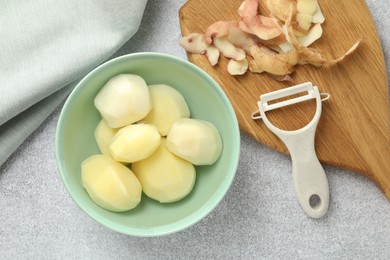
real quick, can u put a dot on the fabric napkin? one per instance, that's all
(46, 46)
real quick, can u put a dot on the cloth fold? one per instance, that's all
(45, 46)
(17, 129)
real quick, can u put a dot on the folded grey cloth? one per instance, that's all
(45, 47)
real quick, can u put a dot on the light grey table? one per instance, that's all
(258, 218)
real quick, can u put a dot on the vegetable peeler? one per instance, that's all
(309, 178)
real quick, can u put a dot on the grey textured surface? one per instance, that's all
(258, 218)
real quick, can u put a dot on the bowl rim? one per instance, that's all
(167, 229)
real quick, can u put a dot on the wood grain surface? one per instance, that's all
(354, 131)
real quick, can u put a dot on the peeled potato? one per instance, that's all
(103, 137)
(195, 140)
(168, 106)
(110, 184)
(123, 100)
(134, 143)
(164, 176)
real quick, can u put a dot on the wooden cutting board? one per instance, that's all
(353, 132)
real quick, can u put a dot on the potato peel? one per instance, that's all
(272, 62)
(279, 8)
(347, 53)
(310, 55)
(212, 54)
(194, 43)
(218, 29)
(237, 67)
(227, 49)
(263, 27)
(274, 44)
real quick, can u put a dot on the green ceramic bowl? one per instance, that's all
(75, 142)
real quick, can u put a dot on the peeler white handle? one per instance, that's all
(310, 182)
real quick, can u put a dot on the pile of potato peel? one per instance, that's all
(274, 44)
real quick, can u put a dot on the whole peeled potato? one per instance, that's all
(110, 184)
(168, 106)
(103, 137)
(123, 100)
(134, 143)
(164, 176)
(195, 140)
